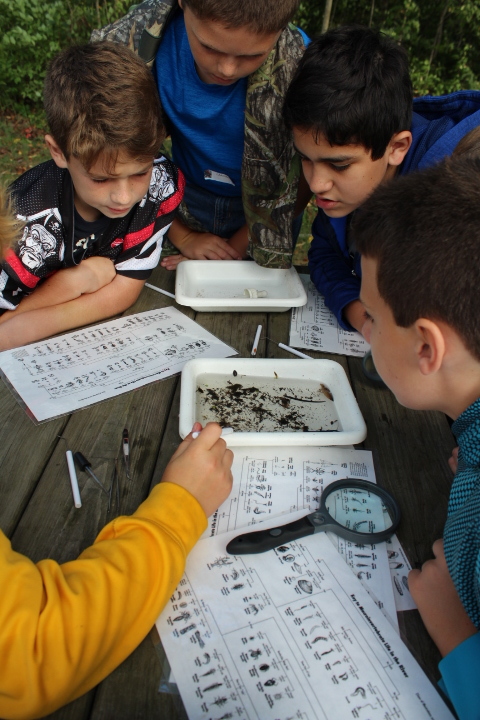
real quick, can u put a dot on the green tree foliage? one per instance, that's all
(33, 31)
(442, 37)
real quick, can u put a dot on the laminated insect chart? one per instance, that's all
(69, 372)
(290, 634)
(314, 327)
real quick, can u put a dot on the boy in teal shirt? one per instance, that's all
(420, 246)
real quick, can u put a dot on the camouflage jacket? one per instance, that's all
(270, 167)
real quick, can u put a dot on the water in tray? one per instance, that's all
(262, 404)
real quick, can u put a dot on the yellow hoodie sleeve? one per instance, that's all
(63, 628)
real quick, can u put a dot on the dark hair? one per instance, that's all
(260, 16)
(352, 86)
(100, 98)
(423, 230)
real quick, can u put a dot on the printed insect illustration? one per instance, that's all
(359, 691)
(183, 616)
(270, 682)
(264, 667)
(225, 560)
(209, 672)
(220, 701)
(187, 629)
(199, 639)
(212, 687)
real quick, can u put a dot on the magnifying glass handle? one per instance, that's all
(263, 540)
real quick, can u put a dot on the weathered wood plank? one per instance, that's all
(24, 451)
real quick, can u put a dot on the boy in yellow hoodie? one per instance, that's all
(63, 628)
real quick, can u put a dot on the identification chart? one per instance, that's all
(314, 327)
(269, 482)
(72, 371)
(290, 634)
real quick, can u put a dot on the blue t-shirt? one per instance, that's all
(207, 121)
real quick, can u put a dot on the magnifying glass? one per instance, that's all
(357, 510)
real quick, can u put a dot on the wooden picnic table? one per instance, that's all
(410, 451)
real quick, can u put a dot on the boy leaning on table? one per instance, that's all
(419, 238)
(222, 69)
(64, 628)
(356, 125)
(95, 215)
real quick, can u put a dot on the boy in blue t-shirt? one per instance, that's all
(350, 109)
(419, 239)
(222, 70)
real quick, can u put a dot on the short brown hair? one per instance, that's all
(101, 98)
(10, 227)
(423, 230)
(260, 16)
(469, 144)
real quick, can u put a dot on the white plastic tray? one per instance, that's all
(219, 285)
(284, 376)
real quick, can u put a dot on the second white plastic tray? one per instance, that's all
(219, 286)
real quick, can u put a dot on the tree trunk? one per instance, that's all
(326, 15)
(438, 36)
(372, 8)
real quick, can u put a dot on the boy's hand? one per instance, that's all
(203, 246)
(438, 603)
(453, 461)
(355, 314)
(203, 467)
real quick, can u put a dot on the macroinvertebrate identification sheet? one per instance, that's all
(288, 634)
(314, 327)
(269, 482)
(72, 371)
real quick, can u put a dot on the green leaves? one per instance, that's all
(441, 37)
(33, 31)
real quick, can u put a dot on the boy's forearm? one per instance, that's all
(65, 285)
(43, 322)
(178, 233)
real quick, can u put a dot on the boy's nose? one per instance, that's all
(228, 68)
(121, 194)
(320, 182)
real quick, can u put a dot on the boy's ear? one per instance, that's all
(398, 147)
(429, 346)
(57, 155)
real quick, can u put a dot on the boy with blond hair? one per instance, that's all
(419, 238)
(222, 70)
(95, 215)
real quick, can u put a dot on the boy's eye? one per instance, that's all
(341, 168)
(99, 180)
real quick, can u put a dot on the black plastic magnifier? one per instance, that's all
(357, 510)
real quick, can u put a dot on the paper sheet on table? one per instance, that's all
(313, 326)
(269, 482)
(287, 635)
(73, 371)
(399, 569)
